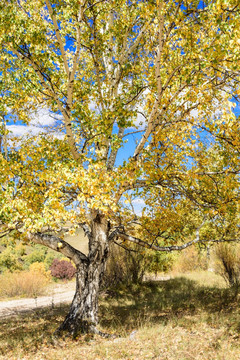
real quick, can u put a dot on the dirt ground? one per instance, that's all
(57, 294)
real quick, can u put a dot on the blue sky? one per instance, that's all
(44, 119)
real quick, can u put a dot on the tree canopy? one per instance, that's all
(141, 95)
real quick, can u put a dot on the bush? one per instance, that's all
(129, 266)
(39, 268)
(159, 261)
(37, 255)
(20, 249)
(51, 255)
(228, 263)
(123, 266)
(190, 259)
(62, 269)
(9, 260)
(23, 283)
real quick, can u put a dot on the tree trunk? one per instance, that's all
(83, 314)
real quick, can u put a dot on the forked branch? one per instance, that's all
(57, 244)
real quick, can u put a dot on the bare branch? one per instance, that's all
(57, 244)
(145, 244)
(58, 35)
(45, 85)
(124, 56)
(160, 47)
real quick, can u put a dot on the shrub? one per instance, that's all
(129, 266)
(24, 283)
(9, 260)
(160, 261)
(20, 249)
(38, 255)
(190, 259)
(228, 263)
(38, 268)
(51, 255)
(120, 268)
(62, 269)
(125, 266)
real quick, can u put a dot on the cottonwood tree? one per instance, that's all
(141, 92)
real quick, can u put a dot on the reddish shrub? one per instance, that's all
(62, 269)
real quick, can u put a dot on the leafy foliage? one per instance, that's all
(38, 254)
(128, 266)
(192, 259)
(139, 97)
(62, 269)
(9, 260)
(228, 263)
(102, 73)
(124, 266)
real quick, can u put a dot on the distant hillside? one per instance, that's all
(79, 241)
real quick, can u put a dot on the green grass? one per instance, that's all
(178, 319)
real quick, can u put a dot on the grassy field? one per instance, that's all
(186, 317)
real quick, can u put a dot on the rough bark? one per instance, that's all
(83, 313)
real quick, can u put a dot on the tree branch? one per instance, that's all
(153, 113)
(119, 232)
(124, 55)
(57, 244)
(160, 47)
(64, 112)
(113, 155)
(86, 230)
(58, 35)
(74, 68)
(145, 244)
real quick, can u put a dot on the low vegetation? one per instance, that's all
(228, 263)
(30, 283)
(191, 259)
(183, 318)
(189, 315)
(62, 269)
(27, 271)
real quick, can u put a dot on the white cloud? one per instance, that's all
(138, 205)
(40, 122)
(140, 121)
(22, 130)
(138, 201)
(43, 117)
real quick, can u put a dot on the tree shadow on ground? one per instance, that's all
(160, 301)
(127, 308)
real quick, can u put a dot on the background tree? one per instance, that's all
(140, 92)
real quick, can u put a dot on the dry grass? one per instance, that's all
(204, 278)
(174, 319)
(25, 283)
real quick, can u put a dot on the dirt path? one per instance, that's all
(59, 294)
